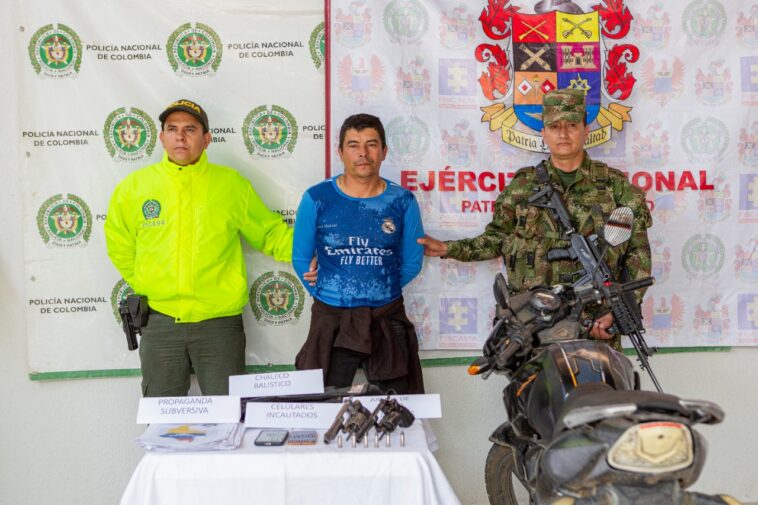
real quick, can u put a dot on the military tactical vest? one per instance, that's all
(589, 200)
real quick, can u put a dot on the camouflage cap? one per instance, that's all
(563, 104)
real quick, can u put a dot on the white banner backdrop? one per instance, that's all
(672, 93)
(676, 112)
(93, 78)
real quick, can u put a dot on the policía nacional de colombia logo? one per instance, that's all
(151, 209)
(270, 132)
(705, 139)
(119, 292)
(194, 49)
(529, 55)
(406, 21)
(702, 256)
(408, 138)
(704, 22)
(129, 134)
(55, 51)
(277, 298)
(64, 220)
(317, 45)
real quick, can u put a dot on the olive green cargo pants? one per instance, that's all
(214, 349)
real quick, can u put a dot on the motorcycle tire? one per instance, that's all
(500, 477)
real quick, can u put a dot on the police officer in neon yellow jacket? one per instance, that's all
(173, 231)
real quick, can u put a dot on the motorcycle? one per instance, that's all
(580, 431)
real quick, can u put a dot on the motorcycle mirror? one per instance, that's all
(500, 288)
(618, 228)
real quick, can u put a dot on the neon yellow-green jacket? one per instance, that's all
(174, 235)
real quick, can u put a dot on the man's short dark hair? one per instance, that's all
(361, 122)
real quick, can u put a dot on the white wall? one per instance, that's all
(70, 442)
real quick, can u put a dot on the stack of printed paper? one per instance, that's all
(192, 437)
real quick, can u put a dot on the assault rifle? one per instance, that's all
(595, 271)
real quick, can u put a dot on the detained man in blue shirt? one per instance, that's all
(362, 229)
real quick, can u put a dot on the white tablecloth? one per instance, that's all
(294, 475)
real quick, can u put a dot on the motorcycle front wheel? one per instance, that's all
(503, 485)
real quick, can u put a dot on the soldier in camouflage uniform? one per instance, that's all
(523, 234)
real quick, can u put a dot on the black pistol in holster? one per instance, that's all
(134, 313)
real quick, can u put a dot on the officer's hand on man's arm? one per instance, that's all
(312, 274)
(600, 327)
(432, 246)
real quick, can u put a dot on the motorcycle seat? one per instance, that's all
(602, 395)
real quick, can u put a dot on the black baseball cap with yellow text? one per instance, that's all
(188, 106)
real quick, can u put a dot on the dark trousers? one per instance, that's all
(344, 363)
(214, 349)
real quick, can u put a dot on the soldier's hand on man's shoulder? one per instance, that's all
(432, 246)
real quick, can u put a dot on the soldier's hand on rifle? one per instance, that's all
(432, 246)
(600, 327)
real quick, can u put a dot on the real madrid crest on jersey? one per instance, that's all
(276, 298)
(550, 50)
(270, 132)
(317, 45)
(129, 134)
(64, 220)
(388, 226)
(194, 49)
(55, 51)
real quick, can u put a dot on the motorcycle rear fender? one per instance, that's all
(575, 461)
(661, 494)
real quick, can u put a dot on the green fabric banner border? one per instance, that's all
(430, 362)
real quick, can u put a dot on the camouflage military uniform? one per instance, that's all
(523, 234)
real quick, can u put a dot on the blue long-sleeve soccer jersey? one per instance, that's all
(366, 247)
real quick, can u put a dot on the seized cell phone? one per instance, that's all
(302, 437)
(271, 437)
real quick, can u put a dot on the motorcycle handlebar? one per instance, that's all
(485, 365)
(501, 360)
